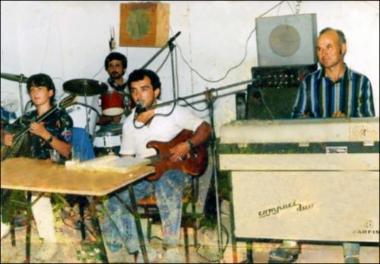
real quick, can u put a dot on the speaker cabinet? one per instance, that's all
(286, 40)
(273, 91)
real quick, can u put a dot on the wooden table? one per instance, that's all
(45, 176)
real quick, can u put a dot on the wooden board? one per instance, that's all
(45, 176)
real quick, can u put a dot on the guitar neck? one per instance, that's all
(65, 103)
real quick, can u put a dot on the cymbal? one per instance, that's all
(83, 87)
(13, 77)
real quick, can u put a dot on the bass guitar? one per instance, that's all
(20, 136)
(194, 164)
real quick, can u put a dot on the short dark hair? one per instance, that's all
(116, 56)
(341, 36)
(41, 79)
(138, 75)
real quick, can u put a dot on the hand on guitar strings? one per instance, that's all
(8, 139)
(39, 130)
(180, 152)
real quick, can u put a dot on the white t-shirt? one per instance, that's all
(161, 128)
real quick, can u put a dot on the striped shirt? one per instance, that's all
(319, 97)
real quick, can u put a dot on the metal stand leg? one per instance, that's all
(138, 223)
(133, 210)
(249, 252)
(13, 232)
(95, 223)
(28, 227)
(82, 220)
(232, 223)
(186, 237)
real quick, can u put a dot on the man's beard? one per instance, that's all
(116, 75)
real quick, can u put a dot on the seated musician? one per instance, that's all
(161, 124)
(330, 92)
(51, 133)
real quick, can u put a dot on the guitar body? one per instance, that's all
(195, 164)
(20, 146)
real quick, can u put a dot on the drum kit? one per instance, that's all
(108, 138)
(16, 78)
(84, 111)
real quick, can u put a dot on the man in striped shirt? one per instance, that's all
(332, 91)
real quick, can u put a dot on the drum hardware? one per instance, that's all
(29, 106)
(84, 115)
(16, 78)
(110, 130)
(89, 106)
(84, 87)
(108, 139)
(112, 103)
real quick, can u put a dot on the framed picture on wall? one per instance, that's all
(144, 24)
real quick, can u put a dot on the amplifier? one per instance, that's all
(303, 179)
(274, 90)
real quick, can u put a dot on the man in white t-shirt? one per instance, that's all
(146, 124)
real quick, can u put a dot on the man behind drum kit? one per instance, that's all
(115, 105)
(115, 102)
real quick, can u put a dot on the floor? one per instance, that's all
(73, 250)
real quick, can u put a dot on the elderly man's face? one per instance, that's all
(330, 51)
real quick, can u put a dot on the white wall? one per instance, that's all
(69, 40)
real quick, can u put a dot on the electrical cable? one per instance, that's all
(190, 105)
(176, 72)
(233, 67)
(265, 104)
(291, 8)
(159, 114)
(96, 74)
(217, 258)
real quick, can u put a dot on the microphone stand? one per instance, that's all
(169, 43)
(171, 46)
(207, 94)
(20, 94)
(210, 99)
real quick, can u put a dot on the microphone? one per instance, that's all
(174, 37)
(139, 109)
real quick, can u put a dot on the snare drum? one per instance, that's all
(112, 103)
(108, 139)
(82, 114)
